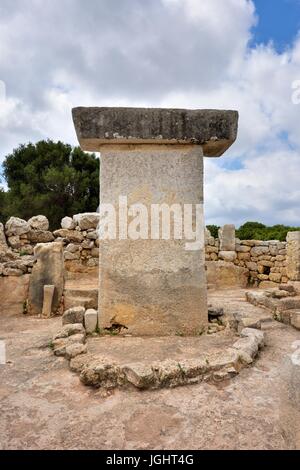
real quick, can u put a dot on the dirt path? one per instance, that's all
(44, 406)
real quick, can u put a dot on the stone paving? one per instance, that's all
(43, 405)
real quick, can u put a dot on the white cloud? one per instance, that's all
(176, 53)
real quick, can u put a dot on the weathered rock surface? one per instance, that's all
(293, 256)
(91, 320)
(60, 345)
(74, 350)
(227, 238)
(228, 256)
(69, 330)
(48, 270)
(68, 223)
(214, 130)
(39, 222)
(15, 226)
(223, 274)
(86, 221)
(14, 292)
(284, 309)
(70, 235)
(3, 242)
(73, 315)
(40, 236)
(100, 372)
(295, 319)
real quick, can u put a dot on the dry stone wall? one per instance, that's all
(19, 238)
(266, 261)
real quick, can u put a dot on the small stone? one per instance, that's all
(73, 315)
(12, 272)
(70, 330)
(39, 222)
(75, 350)
(70, 235)
(215, 312)
(91, 320)
(87, 220)
(16, 226)
(68, 223)
(228, 256)
(40, 236)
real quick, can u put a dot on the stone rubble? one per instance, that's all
(283, 303)
(266, 262)
(100, 372)
(229, 261)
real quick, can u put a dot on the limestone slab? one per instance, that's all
(214, 130)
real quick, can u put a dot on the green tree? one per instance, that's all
(52, 179)
(214, 229)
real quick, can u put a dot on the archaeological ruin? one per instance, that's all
(134, 309)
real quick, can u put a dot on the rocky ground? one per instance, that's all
(44, 406)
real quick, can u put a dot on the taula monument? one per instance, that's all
(153, 283)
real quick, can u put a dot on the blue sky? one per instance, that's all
(222, 54)
(278, 20)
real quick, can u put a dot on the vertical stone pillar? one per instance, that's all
(227, 238)
(150, 157)
(293, 256)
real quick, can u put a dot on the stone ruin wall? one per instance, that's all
(19, 238)
(263, 262)
(259, 263)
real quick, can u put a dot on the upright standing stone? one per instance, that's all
(227, 238)
(48, 301)
(153, 156)
(293, 256)
(3, 242)
(47, 271)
